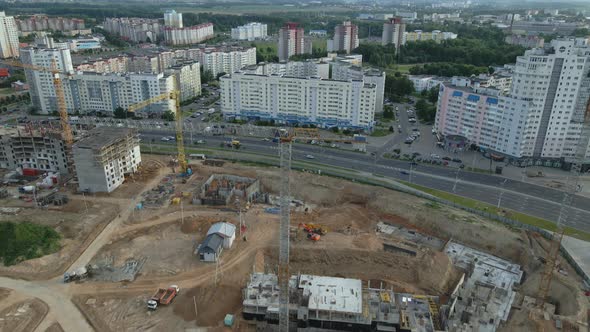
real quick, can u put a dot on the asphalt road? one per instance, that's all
(515, 195)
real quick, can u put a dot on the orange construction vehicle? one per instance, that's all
(314, 232)
(163, 296)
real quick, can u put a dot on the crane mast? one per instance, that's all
(566, 205)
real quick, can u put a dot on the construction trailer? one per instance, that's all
(226, 230)
(105, 156)
(339, 304)
(211, 248)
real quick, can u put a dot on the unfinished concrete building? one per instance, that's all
(339, 304)
(223, 189)
(32, 149)
(484, 295)
(104, 156)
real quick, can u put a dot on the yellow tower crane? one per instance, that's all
(56, 73)
(173, 95)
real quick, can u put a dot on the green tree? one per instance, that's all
(388, 112)
(206, 76)
(432, 95)
(168, 116)
(425, 111)
(397, 87)
(120, 113)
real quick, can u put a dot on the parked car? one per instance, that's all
(457, 160)
(200, 141)
(434, 156)
(309, 156)
(405, 172)
(446, 158)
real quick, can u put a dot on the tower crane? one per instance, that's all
(68, 137)
(172, 95)
(572, 186)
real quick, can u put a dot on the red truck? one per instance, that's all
(163, 296)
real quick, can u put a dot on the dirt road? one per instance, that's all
(59, 304)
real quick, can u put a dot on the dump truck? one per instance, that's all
(163, 296)
(78, 274)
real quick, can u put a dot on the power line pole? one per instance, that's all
(285, 205)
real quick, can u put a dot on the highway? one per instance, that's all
(515, 195)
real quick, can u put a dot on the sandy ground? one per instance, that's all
(166, 237)
(23, 316)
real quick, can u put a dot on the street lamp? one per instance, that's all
(456, 179)
(501, 193)
(411, 169)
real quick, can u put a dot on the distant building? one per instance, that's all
(134, 29)
(545, 28)
(345, 38)
(104, 156)
(425, 82)
(229, 59)
(407, 16)
(318, 33)
(41, 22)
(19, 86)
(250, 31)
(419, 35)
(173, 19)
(83, 44)
(292, 42)
(41, 150)
(188, 35)
(8, 37)
(326, 103)
(525, 41)
(393, 32)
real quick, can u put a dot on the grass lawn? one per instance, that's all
(521, 217)
(380, 132)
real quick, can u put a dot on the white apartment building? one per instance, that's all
(8, 37)
(327, 103)
(226, 59)
(436, 35)
(187, 77)
(342, 70)
(549, 94)
(104, 156)
(188, 35)
(42, 90)
(250, 31)
(173, 19)
(309, 68)
(424, 82)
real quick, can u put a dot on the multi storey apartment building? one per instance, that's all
(104, 156)
(188, 35)
(250, 31)
(345, 38)
(292, 41)
(135, 29)
(544, 108)
(309, 68)
(393, 32)
(327, 103)
(8, 37)
(187, 78)
(41, 85)
(27, 148)
(173, 19)
(40, 22)
(525, 41)
(226, 59)
(436, 35)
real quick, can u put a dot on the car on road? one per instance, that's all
(408, 141)
(405, 172)
(456, 160)
(164, 139)
(412, 120)
(415, 129)
(266, 139)
(200, 141)
(413, 163)
(446, 158)
(309, 156)
(462, 166)
(434, 156)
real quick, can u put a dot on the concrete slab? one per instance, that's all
(580, 252)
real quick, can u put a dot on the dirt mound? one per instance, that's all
(198, 224)
(429, 272)
(213, 303)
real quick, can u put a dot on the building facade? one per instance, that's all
(187, 78)
(8, 37)
(292, 41)
(42, 90)
(393, 32)
(250, 31)
(188, 35)
(226, 59)
(134, 29)
(83, 44)
(327, 103)
(42, 22)
(541, 116)
(425, 82)
(436, 35)
(41, 150)
(345, 38)
(104, 157)
(173, 19)
(525, 41)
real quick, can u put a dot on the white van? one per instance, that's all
(197, 156)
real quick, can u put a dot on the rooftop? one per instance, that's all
(332, 294)
(222, 228)
(100, 137)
